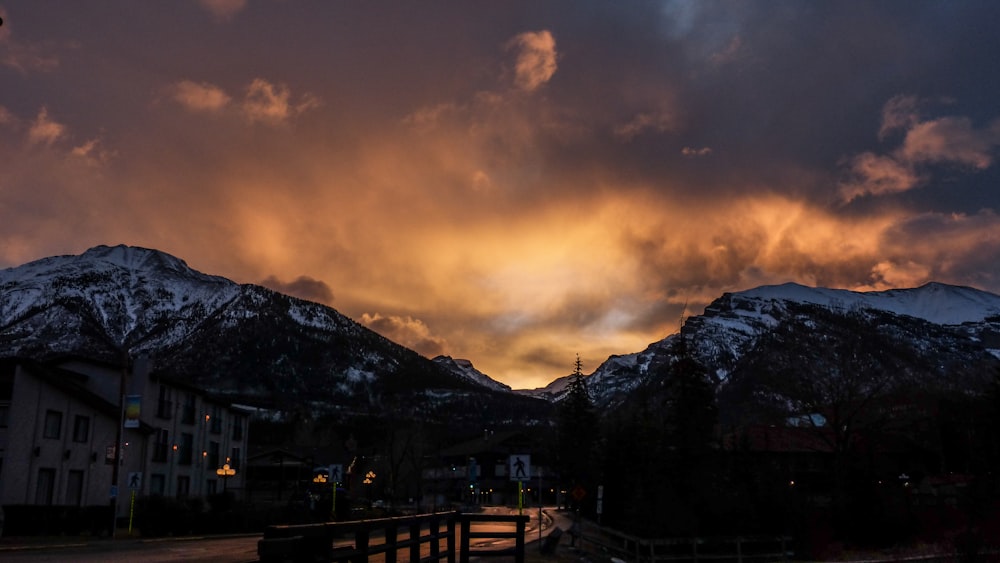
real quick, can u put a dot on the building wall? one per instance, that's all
(35, 462)
(201, 436)
(45, 462)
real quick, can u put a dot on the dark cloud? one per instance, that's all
(303, 287)
(410, 332)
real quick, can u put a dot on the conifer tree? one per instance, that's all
(577, 430)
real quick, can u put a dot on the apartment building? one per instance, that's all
(60, 422)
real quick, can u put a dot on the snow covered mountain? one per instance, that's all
(950, 330)
(246, 341)
(464, 368)
(259, 346)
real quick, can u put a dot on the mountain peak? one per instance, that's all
(137, 259)
(934, 302)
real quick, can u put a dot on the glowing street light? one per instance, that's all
(224, 473)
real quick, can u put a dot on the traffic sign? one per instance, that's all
(336, 474)
(520, 467)
(135, 480)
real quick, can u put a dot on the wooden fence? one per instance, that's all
(352, 541)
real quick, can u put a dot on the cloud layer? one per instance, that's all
(512, 183)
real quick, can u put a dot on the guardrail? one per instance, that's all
(738, 549)
(352, 541)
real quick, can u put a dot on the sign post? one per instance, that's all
(134, 482)
(519, 466)
(600, 503)
(335, 471)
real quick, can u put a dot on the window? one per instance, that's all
(74, 488)
(188, 409)
(237, 428)
(183, 486)
(212, 486)
(53, 426)
(165, 404)
(161, 444)
(213, 456)
(187, 448)
(216, 420)
(45, 486)
(4, 413)
(234, 460)
(81, 428)
(157, 484)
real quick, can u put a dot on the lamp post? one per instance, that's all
(224, 473)
(369, 479)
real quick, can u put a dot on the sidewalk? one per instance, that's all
(24, 543)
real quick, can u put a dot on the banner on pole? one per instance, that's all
(132, 408)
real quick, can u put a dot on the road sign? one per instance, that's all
(520, 467)
(336, 473)
(135, 480)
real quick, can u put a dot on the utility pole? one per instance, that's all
(118, 447)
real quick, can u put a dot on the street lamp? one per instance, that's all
(369, 479)
(224, 473)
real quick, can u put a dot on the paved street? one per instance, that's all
(241, 549)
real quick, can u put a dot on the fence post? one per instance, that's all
(390, 542)
(361, 545)
(434, 527)
(464, 550)
(414, 536)
(519, 542)
(451, 537)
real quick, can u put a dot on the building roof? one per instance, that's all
(70, 382)
(506, 442)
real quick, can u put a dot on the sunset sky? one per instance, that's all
(514, 183)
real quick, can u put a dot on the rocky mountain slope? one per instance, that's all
(246, 341)
(950, 334)
(262, 347)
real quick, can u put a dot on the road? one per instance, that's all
(241, 549)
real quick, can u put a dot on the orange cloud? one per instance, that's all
(872, 174)
(410, 332)
(952, 140)
(200, 96)
(946, 140)
(44, 130)
(263, 101)
(536, 59)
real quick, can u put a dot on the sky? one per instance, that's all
(514, 183)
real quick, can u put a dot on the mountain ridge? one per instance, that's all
(732, 325)
(244, 340)
(115, 301)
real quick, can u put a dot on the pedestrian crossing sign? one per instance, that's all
(519, 467)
